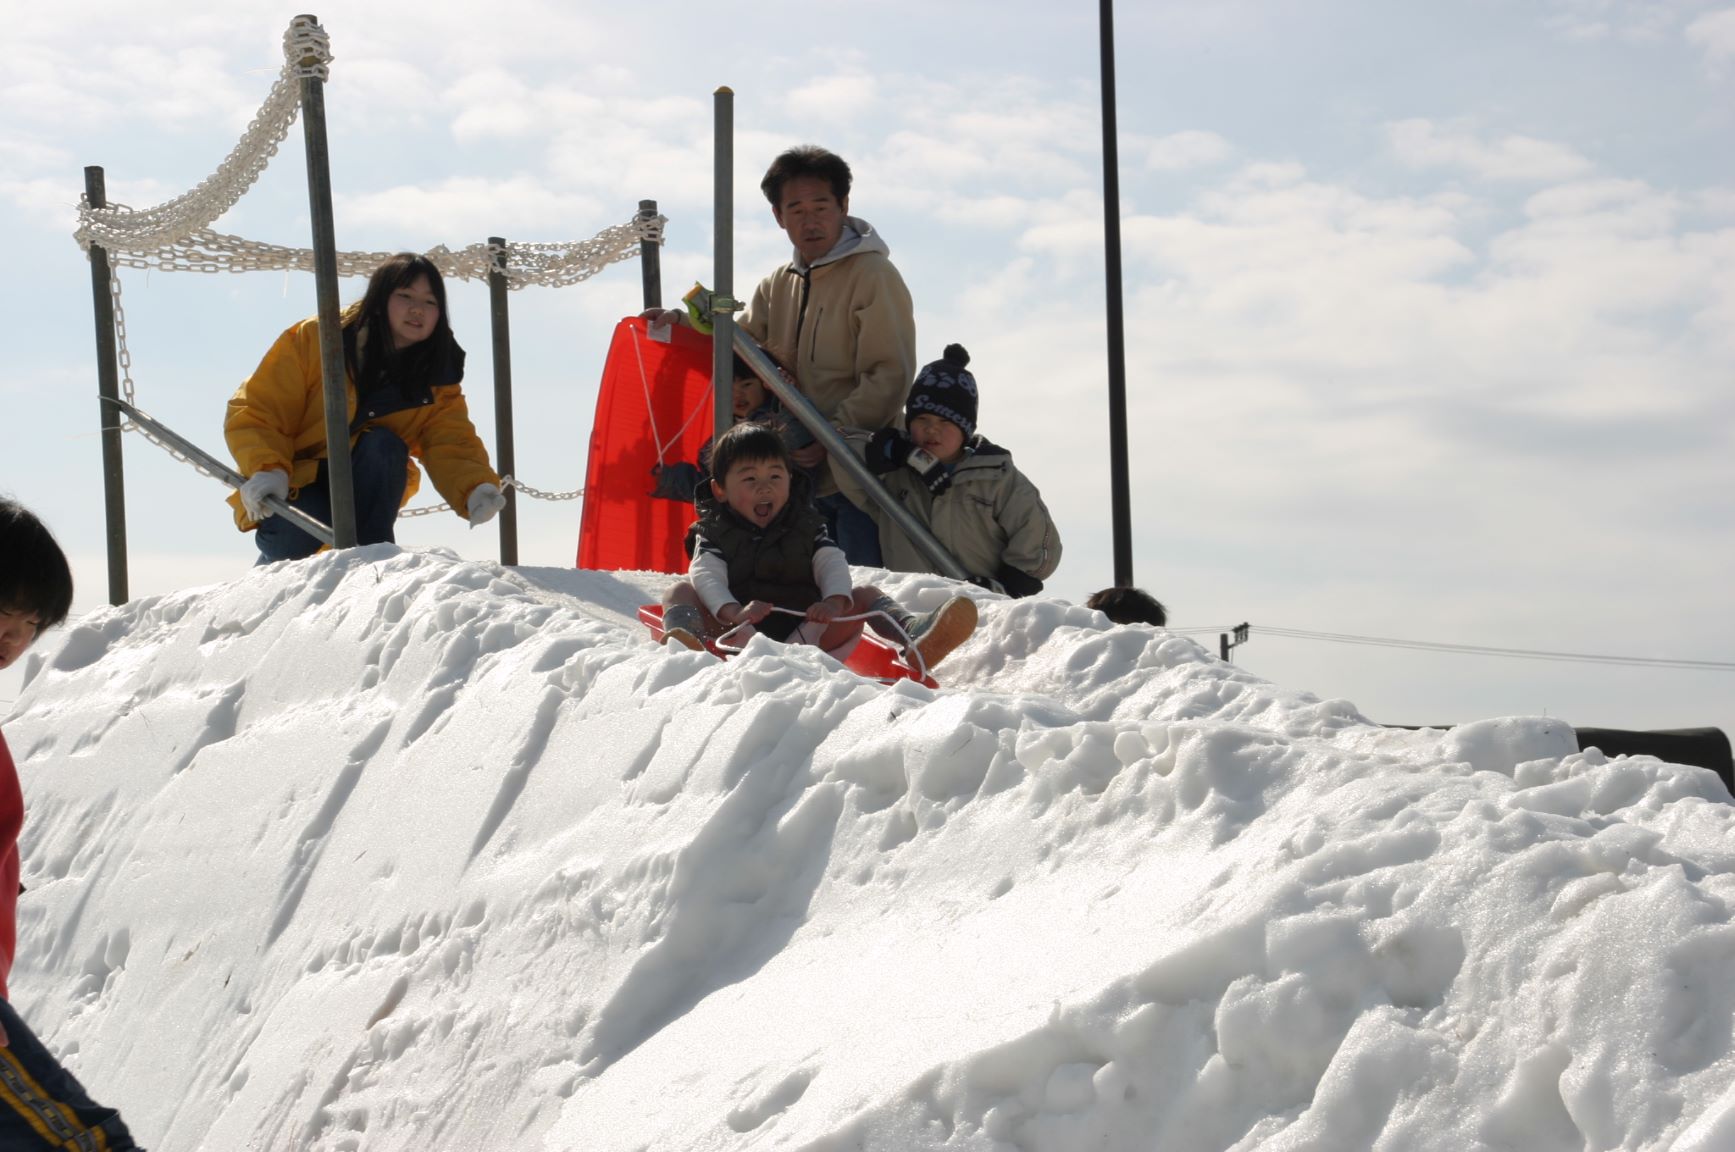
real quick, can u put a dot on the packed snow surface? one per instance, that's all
(389, 850)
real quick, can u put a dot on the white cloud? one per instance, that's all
(1422, 144)
(475, 208)
(19, 154)
(1714, 34)
(1180, 150)
(374, 94)
(985, 140)
(833, 98)
(1636, 21)
(53, 203)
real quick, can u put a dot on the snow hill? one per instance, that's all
(389, 850)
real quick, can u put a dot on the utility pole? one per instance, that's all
(1120, 500)
(1225, 645)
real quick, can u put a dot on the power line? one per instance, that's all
(1487, 650)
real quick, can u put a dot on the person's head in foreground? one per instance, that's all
(35, 581)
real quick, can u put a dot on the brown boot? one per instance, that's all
(681, 623)
(936, 633)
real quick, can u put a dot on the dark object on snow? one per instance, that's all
(1129, 606)
(1700, 747)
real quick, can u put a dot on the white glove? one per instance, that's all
(258, 486)
(485, 501)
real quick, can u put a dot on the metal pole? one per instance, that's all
(1121, 504)
(723, 258)
(337, 464)
(504, 455)
(108, 386)
(651, 259)
(308, 524)
(840, 454)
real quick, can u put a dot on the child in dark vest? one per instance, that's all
(761, 544)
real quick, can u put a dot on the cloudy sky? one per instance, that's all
(1430, 309)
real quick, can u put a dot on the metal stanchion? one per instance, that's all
(337, 463)
(504, 454)
(723, 256)
(651, 259)
(108, 385)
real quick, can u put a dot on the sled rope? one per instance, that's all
(662, 446)
(909, 645)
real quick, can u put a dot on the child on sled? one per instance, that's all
(761, 544)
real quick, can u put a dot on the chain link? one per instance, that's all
(537, 493)
(505, 482)
(307, 49)
(125, 358)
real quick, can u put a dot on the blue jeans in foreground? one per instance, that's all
(377, 467)
(854, 530)
(42, 1105)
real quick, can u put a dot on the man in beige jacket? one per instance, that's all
(838, 317)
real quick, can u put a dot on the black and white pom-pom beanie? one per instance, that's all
(945, 389)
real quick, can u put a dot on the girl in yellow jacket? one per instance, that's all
(403, 368)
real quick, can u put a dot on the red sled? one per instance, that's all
(873, 657)
(653, 407)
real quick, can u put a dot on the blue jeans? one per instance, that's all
(854, 530)
(377, 469)
(42, 1105)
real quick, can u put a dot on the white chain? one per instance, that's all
(120, 229)
(175, 235)
(125, 358)
(307, 49)
(537, 493)
(505, 482)
(556, 265)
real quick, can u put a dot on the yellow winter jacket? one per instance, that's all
(277, 420)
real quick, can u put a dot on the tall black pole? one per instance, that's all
(503, 451)
(337, 466)
(1117, 354)
(108, 385)
(723, 257)
(650, 259)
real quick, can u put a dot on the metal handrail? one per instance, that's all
(803, 410)
(308, 524)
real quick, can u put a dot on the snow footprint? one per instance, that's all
(779, 1098)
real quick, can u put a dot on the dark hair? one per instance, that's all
(1129, 606)
(368, 315)
(742, 371)
(806, 160)
(747, 442)
(35, 578)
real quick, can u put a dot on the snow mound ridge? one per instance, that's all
(387, 850)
